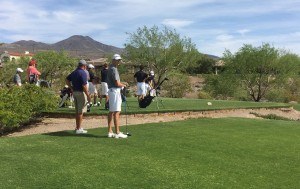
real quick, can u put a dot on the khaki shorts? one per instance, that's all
(80, 101)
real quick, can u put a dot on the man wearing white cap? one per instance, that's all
(114, 97)
(92, 87)
(17, 77)
(150, 84)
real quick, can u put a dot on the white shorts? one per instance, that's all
(92, 88)
(141, 88)
(147, 86)
(114, 99)
(104, 88)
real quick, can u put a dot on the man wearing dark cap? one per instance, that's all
(77, 82)
(114, 97)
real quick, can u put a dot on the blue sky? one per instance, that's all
(213, 25)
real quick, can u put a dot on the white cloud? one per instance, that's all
(213, 25)
(224, 37)
(177, 23)
(243, 31)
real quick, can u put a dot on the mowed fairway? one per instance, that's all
(196, 153)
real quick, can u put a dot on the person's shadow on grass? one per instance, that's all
(72, 134)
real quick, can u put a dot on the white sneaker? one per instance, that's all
(111, 135)
(120, 135)
(81, 131)
(95, 104)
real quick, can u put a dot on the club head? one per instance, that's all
(128, 134)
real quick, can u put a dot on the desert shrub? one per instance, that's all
(241, 95)
(276, 95)
(177, 85)
(219, 86)
(270, 116)
(204, 95)
(19, 105)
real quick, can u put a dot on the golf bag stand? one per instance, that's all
(148, 98)
(159, 100)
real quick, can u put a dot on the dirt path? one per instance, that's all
(59, 124)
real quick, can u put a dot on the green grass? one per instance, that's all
(177, 105)
(196, 153)
(296, 106)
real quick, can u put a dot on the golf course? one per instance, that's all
(192, 153)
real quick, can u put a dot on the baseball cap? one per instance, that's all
(116, 57)
(91, 66)
(82, 62)
(151, 72)
(19, 70)
(32, 62)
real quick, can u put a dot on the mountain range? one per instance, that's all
(76, 45)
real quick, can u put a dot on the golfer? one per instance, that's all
(104, 87)
(80, 93)
(140, 77)
(114, 97)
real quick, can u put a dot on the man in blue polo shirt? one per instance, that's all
(77, 82)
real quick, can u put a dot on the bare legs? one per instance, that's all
(79, 117)
(114, 116)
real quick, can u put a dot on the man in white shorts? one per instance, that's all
(114, 97)
(92, 88)
(104, 87)
(140, 77)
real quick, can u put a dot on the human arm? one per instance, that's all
(85, 90)
(35, 71)
(69, 85)
(119, 84)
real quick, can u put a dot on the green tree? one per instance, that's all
(204, 65)
(176, 88)
(258, 69)
(161, 50)
(8, 70)
(55, 66)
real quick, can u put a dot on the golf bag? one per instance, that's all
(148, 98)
(65, 94)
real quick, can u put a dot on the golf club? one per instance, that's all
(125, 106)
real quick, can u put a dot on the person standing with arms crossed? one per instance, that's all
(78, 78)
(114, 97)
